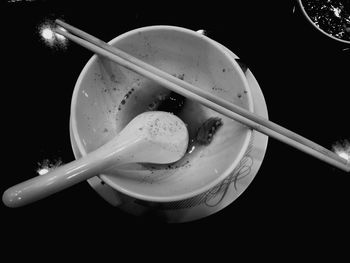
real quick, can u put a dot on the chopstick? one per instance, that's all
(213, 102)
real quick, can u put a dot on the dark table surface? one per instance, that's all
(304, 77)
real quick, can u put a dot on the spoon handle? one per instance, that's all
(62, 177)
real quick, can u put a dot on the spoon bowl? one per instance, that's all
(151, 137)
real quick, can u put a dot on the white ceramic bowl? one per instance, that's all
(107, 96)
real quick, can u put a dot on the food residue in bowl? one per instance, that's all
(153, 97)
(171, 102)
(127, 95)
(207, 131)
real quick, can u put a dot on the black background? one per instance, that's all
(304, 77)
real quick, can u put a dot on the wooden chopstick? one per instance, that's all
(188, 90)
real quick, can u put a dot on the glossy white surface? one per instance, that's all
(154, 137)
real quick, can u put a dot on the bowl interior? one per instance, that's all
(107, 96)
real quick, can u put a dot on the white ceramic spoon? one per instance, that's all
(153, 137)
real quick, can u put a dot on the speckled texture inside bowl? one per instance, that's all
(107, 96)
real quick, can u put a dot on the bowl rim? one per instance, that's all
(155, 198)
(318, 28)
